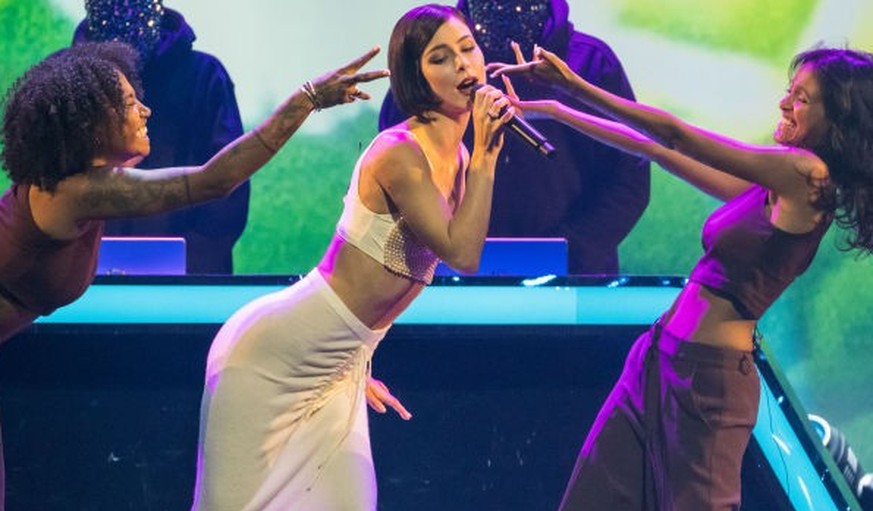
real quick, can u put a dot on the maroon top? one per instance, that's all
(747, 259)
(39, 273)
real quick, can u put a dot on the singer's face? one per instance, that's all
(452, 63)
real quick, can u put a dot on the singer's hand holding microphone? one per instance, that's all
(519, 126)
(491, 111)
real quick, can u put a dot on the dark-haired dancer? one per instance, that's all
(672, 433)
(284, 418)
(72, 128)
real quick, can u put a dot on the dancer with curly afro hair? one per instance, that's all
(73, 129)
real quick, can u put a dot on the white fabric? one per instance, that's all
(384, 238)
(284, 417)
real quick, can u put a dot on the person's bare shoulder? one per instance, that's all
(395, 154)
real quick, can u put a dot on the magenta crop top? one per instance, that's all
(39, 273)
(747, 259)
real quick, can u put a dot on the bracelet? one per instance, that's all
(309, 90)
(263, 142)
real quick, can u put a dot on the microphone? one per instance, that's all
(524, 130)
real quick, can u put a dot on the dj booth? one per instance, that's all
(100, 401)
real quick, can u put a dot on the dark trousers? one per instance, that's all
(672, 433)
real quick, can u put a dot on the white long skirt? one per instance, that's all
(284, 419)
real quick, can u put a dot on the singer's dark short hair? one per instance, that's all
(411, 34)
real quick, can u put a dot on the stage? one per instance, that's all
(100, 401)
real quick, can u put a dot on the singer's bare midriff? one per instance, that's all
(373, 294)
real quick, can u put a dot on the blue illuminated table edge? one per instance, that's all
(778, 434)
(547, 300)
(604, 280)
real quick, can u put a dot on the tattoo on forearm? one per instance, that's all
(284, 125)
(263, 142)
(119, 195)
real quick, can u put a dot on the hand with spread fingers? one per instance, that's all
(341, 86)
(545, 67)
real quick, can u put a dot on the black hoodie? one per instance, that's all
(194, 115)
(589, 193)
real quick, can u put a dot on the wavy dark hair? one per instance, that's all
(845, 78)
(409, 38)
(62, 110)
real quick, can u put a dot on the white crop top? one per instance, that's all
(383, 237)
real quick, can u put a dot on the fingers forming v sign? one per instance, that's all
(341, 85)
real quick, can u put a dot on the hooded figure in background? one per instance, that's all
(588, 193)
(194, 114)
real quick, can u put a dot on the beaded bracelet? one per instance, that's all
(309, 90)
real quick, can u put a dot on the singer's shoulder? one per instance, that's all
(398, 138)
(399, 134)
(395, 147)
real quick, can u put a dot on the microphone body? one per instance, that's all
(525, 131)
